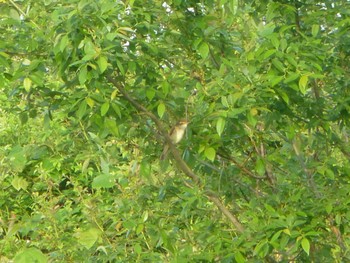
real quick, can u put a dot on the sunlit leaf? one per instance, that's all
(30, 255)
(315, 29)
(220, 125)
(88, 237)
(210, 153)
(27, 83)
(303, 83)
(19, 183)
(239, 257)
(103, 181)
(203, 50)
(161, 109)
(83, 75)
(82, 109)
(305, 244)
(104, 108)
(102, 63)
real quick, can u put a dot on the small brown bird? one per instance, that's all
(176, 134)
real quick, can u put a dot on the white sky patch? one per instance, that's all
(167, 7)
(128, 10)
(191, 9)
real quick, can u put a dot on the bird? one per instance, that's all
(176, 134)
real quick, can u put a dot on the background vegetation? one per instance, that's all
(89, 87)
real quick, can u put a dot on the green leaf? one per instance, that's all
(203, 50)
(23, 116)
(305, 244)
(104, 108)
(111, 126)
(261, 248)
(17, 158)
(315, 29)
(161, 109)
(239, 257)
(88, 238)
(82, 109)
(276, 80)
(291, 77)
(19, 183)
(224, 102)
(121, 67)
(275, 42)
(138, 248)
(27, 83)
(278, 65)
(260, 167)
(220, 125)
(150, 93)
(303, 83)
(103, 181)
(63, 43)
(30, 255)
(102, 63)
(117, 110)
(104, 166)
(268, 54)
(82, 75)
(210, 153)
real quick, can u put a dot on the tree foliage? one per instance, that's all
(88, 88)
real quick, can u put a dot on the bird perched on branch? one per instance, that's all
(176, 134)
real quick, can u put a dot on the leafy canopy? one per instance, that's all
(265, 85)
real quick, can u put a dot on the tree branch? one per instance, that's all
(176, 154)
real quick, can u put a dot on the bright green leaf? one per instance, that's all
(315, 29)
(268, 54)
(90, 102)
(63, 43)
(17, 158)
(104, 108)
(19, 183)
(102, 63)
(30, 255)
(161, 109)
(303, 83)
(239, 257)
(278, 65)
(210, 153)
(150, 93)
(82, 75)
(27, 83)
(220, 125)
(88, 238)
(138, 248)
(274, 40)
(260, 167)
(103, 181)
(305, 244)
(204, 50)
(82, 109)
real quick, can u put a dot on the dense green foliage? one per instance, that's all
(266, 87)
